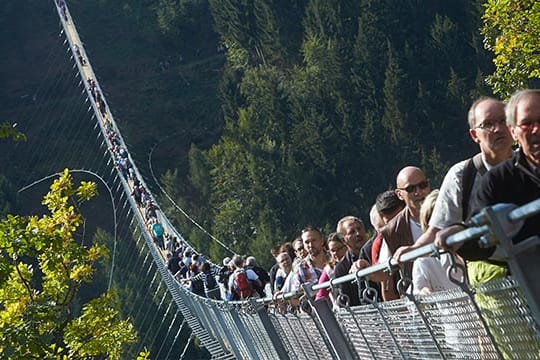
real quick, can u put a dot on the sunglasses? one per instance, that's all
(412, 188)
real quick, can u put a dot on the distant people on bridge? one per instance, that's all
(93, 88)
(223, 278)
(79, 55)
(264, 278)
(242, 282)
(274, 251)
(195, 279)
(150, 213)
(137, 195)
(63, 8)
(284, 262)
(173, 263)
(186, 257)
(211, 288)
(157, 234)
(169, 244)
(113, 138)
(145, 196)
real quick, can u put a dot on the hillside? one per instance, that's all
(299, 113)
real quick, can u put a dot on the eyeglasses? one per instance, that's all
(491, 125)
(412, 188)
(530, 126)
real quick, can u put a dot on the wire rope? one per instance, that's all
(169, 331)
(178, 207)
(165, 293)
(187, 346)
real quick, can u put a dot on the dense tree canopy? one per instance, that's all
(320, 116)
(320, 102)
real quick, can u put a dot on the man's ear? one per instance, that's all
(513, 132)
(398, 194)
(474, 135)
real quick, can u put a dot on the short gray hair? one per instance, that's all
(250, 261)
(339, 227)
(514, 101)
(471, 115)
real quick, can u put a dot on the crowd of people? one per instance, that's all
(188, 266)
(412, 215)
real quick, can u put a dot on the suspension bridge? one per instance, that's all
(494, 321)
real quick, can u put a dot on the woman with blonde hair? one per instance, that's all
(429, 273)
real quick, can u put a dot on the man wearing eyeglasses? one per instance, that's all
(517, 180)
(404, 229)
(487, 128)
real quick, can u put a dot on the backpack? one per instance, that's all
(242, 286)
(474, 165)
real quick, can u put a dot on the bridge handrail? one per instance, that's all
(468, 234)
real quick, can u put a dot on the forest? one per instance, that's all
(261, 116)
(266, 116)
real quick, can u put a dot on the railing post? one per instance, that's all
(232, 345)
(250, 347)
(339, 345)
(262, 312)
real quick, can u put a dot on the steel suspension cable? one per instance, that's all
(169, 331)
(180, 209)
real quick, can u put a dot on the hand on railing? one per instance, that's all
(444, 234)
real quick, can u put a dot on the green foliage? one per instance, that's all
(168, 15)
(7, 130)
(42, 268)
(393, 119)
(512, 32)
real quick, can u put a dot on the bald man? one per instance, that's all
(404, 229)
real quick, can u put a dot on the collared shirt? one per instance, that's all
(304, 272)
